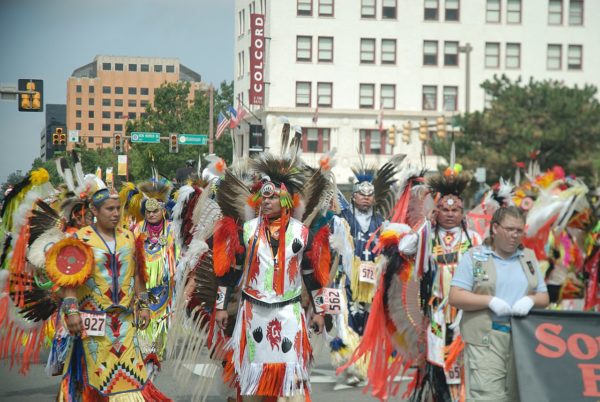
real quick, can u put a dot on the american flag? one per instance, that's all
(237, 115)
(222, 124)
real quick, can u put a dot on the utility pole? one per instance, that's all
(467, 51)
(211, 134)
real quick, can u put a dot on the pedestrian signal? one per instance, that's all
(32, 101)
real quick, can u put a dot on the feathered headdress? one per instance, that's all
(449, 186)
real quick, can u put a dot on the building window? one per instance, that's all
(304, 7)
(388, 9)
(144, 68)
(451, 53)
(91, 101)
(78, 89)
(91, 126)
(106, 115)
(241, 61)
(78, 113)
(132, 103)
(91, 114)
(302, 93)
(576, 12)
(324, 94)
(106, 66)
(143, 103)
(170, 68)
(131, 116)
(367, 96)
(303, 48)
(388, 96)
(325, 48)
(106, 127)
(374, 142)
(555, 12)
(367, 50)
(452, 10)
(105, 102)
(106, 140)
(77, 126)
(132, 67)
(367, 8)
(431, 10)
(90, 140)
(429, 97)
(513, 11)
(513, 55)
(158, 68)
(144, 91)
(78, 101)
(105, 90)
(118, 66)
(388, 51)
(118, 115)
(554, 56)
(492, 11)
(132, 91)
(430, 53)
(119, 127)
(316, 140)
(326, 8)
(492, 55)
(574, 57)
(91, 89)
(119, 90)
(118, 102)
(450, 99)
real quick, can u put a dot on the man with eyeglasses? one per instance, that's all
(494, 281)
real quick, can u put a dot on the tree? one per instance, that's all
(172, 113)
(561, 122)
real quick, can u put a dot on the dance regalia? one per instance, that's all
(161, 256)
(108, 367)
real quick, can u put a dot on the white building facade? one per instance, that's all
(347, 71)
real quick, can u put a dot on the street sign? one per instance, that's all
(74, 136)
(193, 139)
(145, 138)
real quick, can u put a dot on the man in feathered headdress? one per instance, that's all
(451, 239)
(269, 353)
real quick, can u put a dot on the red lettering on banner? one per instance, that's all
(590, 344)
(591, 379)
(257, 55)
(545, 333)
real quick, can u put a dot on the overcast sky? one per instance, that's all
(49, 39)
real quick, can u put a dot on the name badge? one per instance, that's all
(367, 272)
(94, 324)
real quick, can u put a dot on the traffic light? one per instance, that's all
(33, 101)
(423, 130)
(441, 127)
(117, 142)
(406, 130)
(392, 136)
(55, 137)
(62, 136)
(173, 144)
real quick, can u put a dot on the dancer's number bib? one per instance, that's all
(332, 300)
(94, 324)
(453, 375)
(367, 272)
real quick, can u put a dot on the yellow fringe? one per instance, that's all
(361, 291)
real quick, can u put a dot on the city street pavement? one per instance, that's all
(38, 387)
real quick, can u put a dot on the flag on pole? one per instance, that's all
(380, 121)
(222, 124)
(241, 112)
(232, 117)
(315, 117)
(236, 115)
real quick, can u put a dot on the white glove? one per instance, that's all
(499, 306)
(522, 306)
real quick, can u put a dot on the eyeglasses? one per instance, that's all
(510, 231)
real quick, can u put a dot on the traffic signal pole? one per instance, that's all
(211, 134)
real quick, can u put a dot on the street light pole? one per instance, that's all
(211, 134)
(467, 51)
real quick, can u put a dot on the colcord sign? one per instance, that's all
(558, 356)
(257, 58)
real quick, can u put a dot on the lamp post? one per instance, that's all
(467, 51)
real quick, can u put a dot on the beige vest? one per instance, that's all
(475, 326)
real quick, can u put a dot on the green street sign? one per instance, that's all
(145, 138)
(193, 139)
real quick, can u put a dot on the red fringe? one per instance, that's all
(271, 379)
(319, 256)
(152, 394)
(140, 258)
(401, 208)
(389, 238)
(225, 245)
(538, 241)
(453, 351)
(18, 277)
